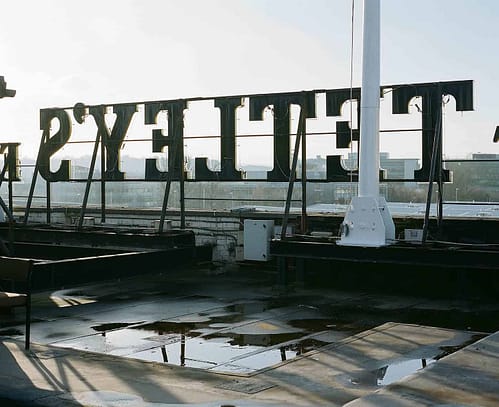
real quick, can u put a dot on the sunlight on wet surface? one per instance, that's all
(186, 349)
(69, 298)
(389, 373)
(397, 371)
(242, 337)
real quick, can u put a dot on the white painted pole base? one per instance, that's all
(367, 223)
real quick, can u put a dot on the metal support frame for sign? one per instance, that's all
(164, 205)
(102, 179)
(2, 175)
(292, 176)
(36, 170)
(168, 185)
(9, 212)
(436, 159)
(89, 181)
(182, 197)
(10, 165)
(303, 224)
(6, 209)
(48, 198)
(11, 194)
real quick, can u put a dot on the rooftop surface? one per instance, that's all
(456, 209)
(215, 335)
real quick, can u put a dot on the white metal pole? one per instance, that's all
(368, 221)
(369, 108)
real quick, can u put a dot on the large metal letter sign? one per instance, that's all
(173, 136)
(174, 139)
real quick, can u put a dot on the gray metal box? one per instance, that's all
(257, 237)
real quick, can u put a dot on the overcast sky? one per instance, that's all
(57, 53)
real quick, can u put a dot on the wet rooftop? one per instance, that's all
(234, 321)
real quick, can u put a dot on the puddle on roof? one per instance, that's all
(400, 369)
(237, 338)
(397, 371)
(188, 348)
(389, 373)
(386, 374)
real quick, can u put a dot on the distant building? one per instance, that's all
(483, 156)
(395, 168)
(475, 180)
(255, 171)
(81, 172)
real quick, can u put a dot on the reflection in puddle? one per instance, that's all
(222, 353)
(236, 338)
(390, 373)
(397, 371)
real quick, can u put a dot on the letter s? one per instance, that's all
(50, 145)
